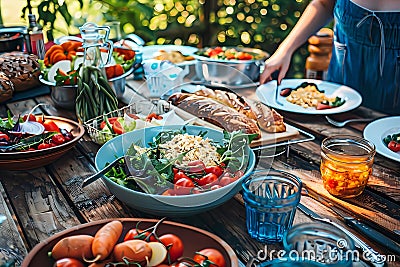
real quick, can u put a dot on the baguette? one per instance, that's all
(268, 119)
(229, 99)
(215, 113)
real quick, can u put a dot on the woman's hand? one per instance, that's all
(279, 61)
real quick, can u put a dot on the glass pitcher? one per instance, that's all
(95, 37)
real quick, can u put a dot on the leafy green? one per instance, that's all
(337, 102)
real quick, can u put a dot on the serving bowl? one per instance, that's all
(64, 96)
(38, 256)
(181, 205)
(26, 160)
(230, 72)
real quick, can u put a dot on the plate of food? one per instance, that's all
(308, 96)
(141, 242)
(177, 54)
(385, 135)
(36, 142)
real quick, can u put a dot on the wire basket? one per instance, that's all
(144, 107)
(93, 125)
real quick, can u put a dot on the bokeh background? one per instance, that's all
(252, 23)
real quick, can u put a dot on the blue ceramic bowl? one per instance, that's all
(161, 205)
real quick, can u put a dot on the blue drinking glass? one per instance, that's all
(270, 198)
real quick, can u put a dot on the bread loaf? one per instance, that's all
(22, 69)
(215, 113)
(230, 99)
(268, 119)
(6, 88)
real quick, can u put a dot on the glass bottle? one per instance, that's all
(320, 48)
(36, 39)
(95, 37)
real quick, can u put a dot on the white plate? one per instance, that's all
(266, 94)
(379, 129)
(151, 50)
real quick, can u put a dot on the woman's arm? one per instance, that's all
(317, 14)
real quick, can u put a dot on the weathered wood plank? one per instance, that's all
(41, 208)
(12, 246)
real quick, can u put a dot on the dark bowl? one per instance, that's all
(12, 39)
(194, 239)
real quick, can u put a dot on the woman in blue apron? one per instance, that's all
(366, 51)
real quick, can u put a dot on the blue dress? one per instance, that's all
(366, 54)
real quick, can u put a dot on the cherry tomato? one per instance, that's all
(212, 255)
(31, 117)
(216, 186)
(225, 180)
(4, 136)
(117, 127)
(238, 174)
(178, 175)
(110, 120)
(50, 126)
(174, 245)
(44, 146)
(207, 179)
(394, 146)
(196, 166)
(217, 170)
(68, 262)
(183, 186)
(58, 139)
(138, 234)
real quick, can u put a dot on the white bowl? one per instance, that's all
(161, 205)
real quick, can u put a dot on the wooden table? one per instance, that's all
(41, 202)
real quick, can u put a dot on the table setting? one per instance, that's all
(199, 151)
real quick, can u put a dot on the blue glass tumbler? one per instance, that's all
(270, 198)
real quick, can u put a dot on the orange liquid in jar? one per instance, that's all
(345, 176)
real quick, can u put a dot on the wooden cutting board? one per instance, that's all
(266, 138)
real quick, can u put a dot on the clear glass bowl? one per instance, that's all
(319, 242)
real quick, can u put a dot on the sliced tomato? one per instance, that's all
(110, 120)
(31, 117)
(4, 136)
(50, 126)
(394, 146)
(118, 70)
(117, 127)
(110, 71)
(322, 106)
(68, 262)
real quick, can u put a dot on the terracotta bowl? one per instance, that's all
(38, 256)
(33, 159)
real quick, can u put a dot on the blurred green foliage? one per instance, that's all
(253, 23)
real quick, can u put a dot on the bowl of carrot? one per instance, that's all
(133, 242)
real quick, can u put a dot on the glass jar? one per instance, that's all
(346, 164)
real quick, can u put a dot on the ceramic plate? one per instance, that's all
(379, 129)
(151, 50)
(267, 92)
(25, 160)
(38, 256)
